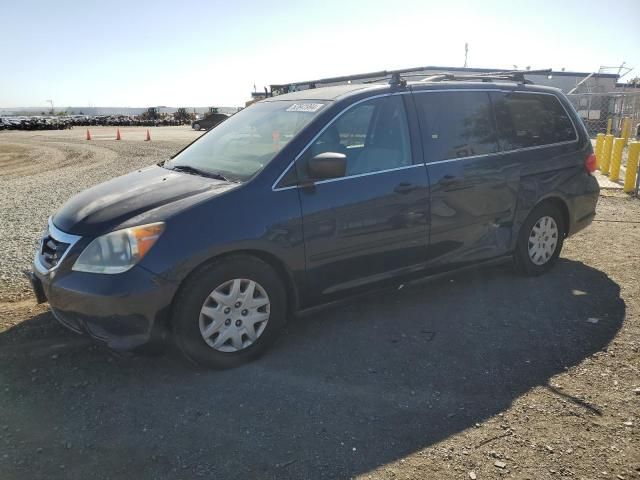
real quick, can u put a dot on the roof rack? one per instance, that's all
(398, 78)
(507, 75)
(381, 75)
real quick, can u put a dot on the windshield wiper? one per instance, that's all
(197, 171)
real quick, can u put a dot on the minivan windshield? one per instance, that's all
(244, 144)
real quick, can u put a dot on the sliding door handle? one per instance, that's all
(449, 180)
(405, 187)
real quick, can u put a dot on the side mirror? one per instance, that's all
(327, 165)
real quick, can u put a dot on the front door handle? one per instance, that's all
(449, 180)
(405, 187)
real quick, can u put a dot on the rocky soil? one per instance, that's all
(41, 170)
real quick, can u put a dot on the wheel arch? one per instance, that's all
(561, 205)
(526, 208)
(283, 272)
(280, 268)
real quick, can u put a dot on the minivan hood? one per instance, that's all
(101, 208)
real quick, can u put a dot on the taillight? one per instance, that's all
(590, 163)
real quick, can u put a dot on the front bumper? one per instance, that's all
(125, 310)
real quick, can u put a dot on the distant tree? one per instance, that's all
(635, 81)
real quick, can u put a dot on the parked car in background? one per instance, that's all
(59, 122)
(312, 196)
(209, 121)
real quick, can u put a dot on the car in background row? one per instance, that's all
(35, 123)
(209, 121)
(308, 197)
(39, 122)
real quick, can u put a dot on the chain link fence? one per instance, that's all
(608, 113)
(596, 109)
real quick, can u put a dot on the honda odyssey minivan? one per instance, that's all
(304, 198)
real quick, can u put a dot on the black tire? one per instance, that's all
(523, 263)
(197, 127)
(192, 295)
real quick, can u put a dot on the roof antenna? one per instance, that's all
(397, 81)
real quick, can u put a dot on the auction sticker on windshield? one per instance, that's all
(305, 107)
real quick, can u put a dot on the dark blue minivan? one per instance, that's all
(307, 197)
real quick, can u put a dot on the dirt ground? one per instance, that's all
(480, 374)
(40, 170)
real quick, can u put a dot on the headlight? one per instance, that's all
(118, 251)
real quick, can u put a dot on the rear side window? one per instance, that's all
(456, 124)
(531, 120)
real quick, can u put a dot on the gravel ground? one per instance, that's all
(40, 170)
(481, 374)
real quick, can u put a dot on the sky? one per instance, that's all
(139, 53)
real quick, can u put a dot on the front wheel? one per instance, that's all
(196, 127)
(229, 312)
(540, 240)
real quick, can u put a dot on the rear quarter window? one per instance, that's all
(531, 120)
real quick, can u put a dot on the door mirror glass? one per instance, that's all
(327, 165)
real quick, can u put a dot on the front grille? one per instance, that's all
(52, 251)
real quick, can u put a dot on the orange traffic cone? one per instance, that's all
(118, 134)
(88, 134)
(148, 139)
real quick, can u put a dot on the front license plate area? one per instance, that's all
(37, 287)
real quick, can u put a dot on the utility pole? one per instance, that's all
(466, 53)
(51, 102)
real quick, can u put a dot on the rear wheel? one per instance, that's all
(540, 240)
(229, 312)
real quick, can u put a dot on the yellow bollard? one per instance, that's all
(599, 148)
(616, 159)
(609, 123)
(632, 167)
(606, 154)
(626, 129)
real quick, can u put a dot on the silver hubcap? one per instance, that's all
(543, 240)
(234, 315)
